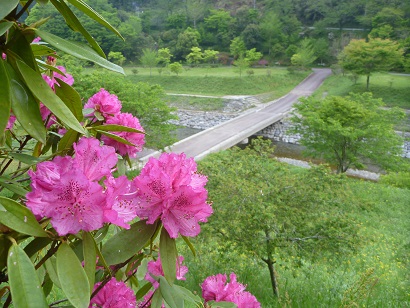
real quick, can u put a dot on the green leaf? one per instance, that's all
(36, 245)
(73, 22)
(156, 301)
(21, 49)
(71, 98)
(115, 137)
(170, 295)
(72, 277)
(169, 254)
(86, 9)
(13, 186)
(4, 26)
(43, 92)
(19, 218)
(90, 257)
(26, 290)
(6, 6)
(187, 295)
(42, 50)
(117, 128)
(127, 243)
(4, 249)
(26, 159)
(188, 242)
(78, 50)
(5, 95)
(67, 141)
(51, 267)
(213, 304)
(143, 290)
(25, 108)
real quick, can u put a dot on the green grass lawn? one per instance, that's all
(222, 81)
(195, 102)
(393, 89)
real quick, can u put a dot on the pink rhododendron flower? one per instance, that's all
(67, 190)
(121, 203)
(37, 39)
(170, 189)
(137, 139)
(115, 294)
(105, 103)
(51, 81)
(217, 288)
(155, 269)
(3, 56)
(11, 121)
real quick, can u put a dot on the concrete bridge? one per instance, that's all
(232, 132)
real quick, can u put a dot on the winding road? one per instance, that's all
(232, 132)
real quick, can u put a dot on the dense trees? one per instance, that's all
(346, 131)
(274, 28)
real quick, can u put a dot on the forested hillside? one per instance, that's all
(277, 29)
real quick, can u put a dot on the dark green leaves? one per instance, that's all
(5, 96)
(169, 254)
(72, 277)
(25, 285)
(78, 50)
(25, 107)
(6, 6)
(90, 257)
(19, 218)
(44, 93)
(4, 26)
(127, 243)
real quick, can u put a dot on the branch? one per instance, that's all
(25, 8)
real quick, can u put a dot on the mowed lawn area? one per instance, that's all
(220, 81)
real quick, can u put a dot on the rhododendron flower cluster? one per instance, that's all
(108, 106)
(169, 188)
(216, 288)
(155, 270)
(67, 190)
(115, 294)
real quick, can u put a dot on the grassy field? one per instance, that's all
(393, 89)
(375, 275)
(222, 81)
(195, 102)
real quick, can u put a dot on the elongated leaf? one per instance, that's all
(6, 6)
(19, 218)
(5, 96)
(44, 93)
(25, 285)
(13, 186)
(4, 249)
(36, 245)
(26, 159)
(71, 98)
(143, 290)
(117, 128)
(127, 243)
(25, 108)
(76, 25)
(90, 257)
(157, 299)
(42, 50)
(115, 137)
(188, 242)
(51, 267)
(21, 49)
(78, 50)
(86, 9)
(72, 277)
(68, 139)
(170, 295)
(187, 295)
(169, 254)
(4, 26)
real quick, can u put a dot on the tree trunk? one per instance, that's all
(269, 262)
(367, 82)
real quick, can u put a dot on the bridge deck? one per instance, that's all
(232, 132)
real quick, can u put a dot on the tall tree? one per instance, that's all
(366, 57)
(345, 130)
(149, 58)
